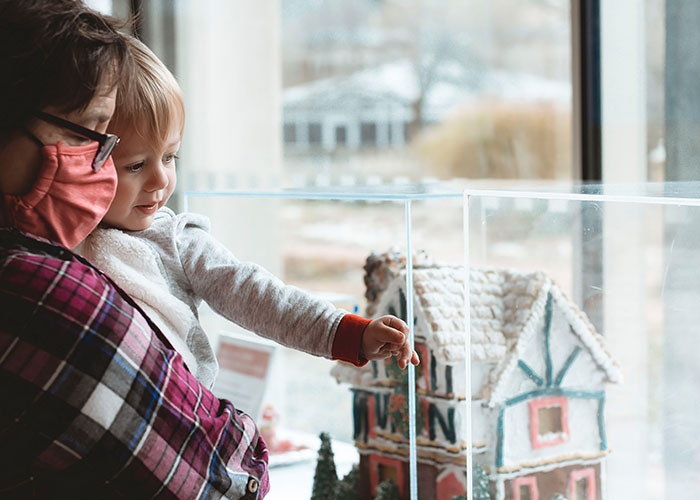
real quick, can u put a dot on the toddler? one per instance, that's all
(169, 262)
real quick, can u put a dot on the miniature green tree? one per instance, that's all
(480, 483)
(325, 476)
(387, 491)
(347, 488)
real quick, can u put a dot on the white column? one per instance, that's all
(624, 238)
(353, 132)
(228, 63)
(623, 93)
(228, 60)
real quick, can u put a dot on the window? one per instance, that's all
(341, 135)
(549, 420)
(525, 488)
(581, 488)
(525, 492)
(314, 134)
(397, 133)
(582, 484)
(387, 472)
(549, 424)
(290, 133)
(383, 468)
(368, 134)
(460, 89)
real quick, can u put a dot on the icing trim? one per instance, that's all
(554, 392)
(550, 464)
(567, 364)
(360, 416)
(447, 427)
(579, 325)
(382, 412)
(423, 457)
(530, 373)
(601, 424)
(536, 439)
(547, 328)
(449, 389)
(433, 372)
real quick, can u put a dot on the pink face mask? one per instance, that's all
(68, 199)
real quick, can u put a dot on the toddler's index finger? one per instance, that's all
(392, 335)
(397, 324)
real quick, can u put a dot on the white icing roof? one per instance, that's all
(506, 307)
(501, 303)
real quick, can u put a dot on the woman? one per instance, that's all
(95, 404)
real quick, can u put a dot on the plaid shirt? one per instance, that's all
(95, 402)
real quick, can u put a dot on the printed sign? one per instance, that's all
(244, 368)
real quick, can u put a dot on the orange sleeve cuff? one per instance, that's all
(348, 339)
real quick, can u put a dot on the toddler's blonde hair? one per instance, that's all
(153, 104)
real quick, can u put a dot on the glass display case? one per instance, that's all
(611, 417)
(579, 320)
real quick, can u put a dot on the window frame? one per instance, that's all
(589, 475)
(530, 481)
(375, 461)
(535, 405)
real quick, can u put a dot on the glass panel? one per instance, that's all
(439, 320)
(525, 492)
(629, 392)
(352, 252)
(529, 302)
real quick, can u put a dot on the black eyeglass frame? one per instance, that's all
(107, 142)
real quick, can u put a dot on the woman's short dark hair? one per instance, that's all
(56, 53)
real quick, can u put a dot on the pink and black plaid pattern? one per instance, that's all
(95, 402)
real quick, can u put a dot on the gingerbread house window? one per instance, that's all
(384, 468)
(582, 484)
(387, 473)
(549, 421)
(525, 488)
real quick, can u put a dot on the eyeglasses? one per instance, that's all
(106, 141)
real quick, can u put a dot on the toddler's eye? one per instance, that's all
(136, 167)
(170, 158)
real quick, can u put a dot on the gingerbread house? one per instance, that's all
(538, 377)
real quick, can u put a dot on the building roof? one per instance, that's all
(398, 82)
